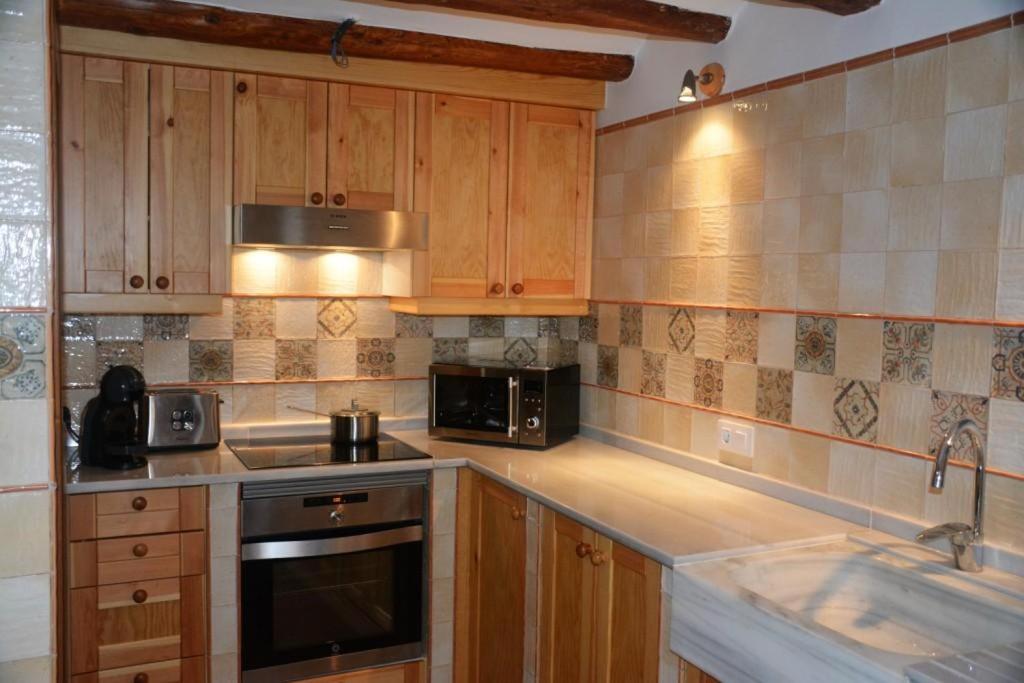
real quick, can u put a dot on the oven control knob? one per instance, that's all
(337, 516)
(532, 422)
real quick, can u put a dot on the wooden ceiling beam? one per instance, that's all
(206, 24)
(635, 16)
(843, 7)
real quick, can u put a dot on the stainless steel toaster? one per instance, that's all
(182, 418)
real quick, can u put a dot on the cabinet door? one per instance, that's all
(104, 125)
(189, 190)
(280, 141)
(688, 673)
(461, 180)
(491, 582)
(369, 153)
(550, 191)
(628, 614)
(567, 610)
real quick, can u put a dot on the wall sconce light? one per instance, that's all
(710, 81)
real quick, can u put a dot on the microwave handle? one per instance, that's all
(281, 550)
(512, 428)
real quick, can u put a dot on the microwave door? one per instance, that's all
(478, 405)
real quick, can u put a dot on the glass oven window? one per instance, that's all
(308, 608)
(475, 403)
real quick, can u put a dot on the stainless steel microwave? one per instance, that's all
(503, 403)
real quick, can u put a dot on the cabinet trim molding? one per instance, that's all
(493, 306)
(169, 304)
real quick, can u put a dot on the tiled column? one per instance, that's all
(224, 576)
(532, 590)
(442, 573)
(26, 480)
(668, 661)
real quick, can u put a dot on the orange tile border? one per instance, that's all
(266, 382)
(23, 309)
(302, 295)
(803, 430)
(965, 33)
(24, 489)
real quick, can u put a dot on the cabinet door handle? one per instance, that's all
(583, 549)
(140, 596)
(497, 288)
(517, 288)
(316, 198)
(597, 558)
(141, 678)
(241, 87)
(139, 503)
(170, 122)
(140, 550)
(517, 512)
(338, 199)
(162, 282)
(137, 281)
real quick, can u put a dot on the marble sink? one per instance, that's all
(846, 610)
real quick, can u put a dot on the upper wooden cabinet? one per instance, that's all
(145, 183)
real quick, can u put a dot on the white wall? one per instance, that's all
(771, 41)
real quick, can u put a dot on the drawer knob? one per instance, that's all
(517, 512)
(141, 678)
(517, 288)
(583, 549)
(597, 558)
(497, 288)
(162, 282)
(136, 281)
(316, 198)
(139, 503)
(241, 87)
(140, 550)
(140, 596)
(338, 199)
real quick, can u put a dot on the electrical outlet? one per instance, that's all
(736, 444)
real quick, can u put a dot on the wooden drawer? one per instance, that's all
(136, 558)
(191, 670)
(410, 672)
(133, 513)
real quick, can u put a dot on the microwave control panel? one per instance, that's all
(531, 407)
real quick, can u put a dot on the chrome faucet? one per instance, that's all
(962, 537)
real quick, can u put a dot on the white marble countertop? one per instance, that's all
(665, 512)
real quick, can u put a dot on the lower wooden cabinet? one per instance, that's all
(490, 577)
(410, 672)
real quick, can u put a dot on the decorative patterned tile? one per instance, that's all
(681, 331)
(948, 408)
(254, 318)
(521, 351)
(741, 329)
(588, 326)
(855, 409)
(486, 326)
(547, 327)
(608, 366)
(336, 319)
(79, 327)
(652, 374)
(907, 352)
(451, 350)
(22, 356)
(775, 394)
(295, 359)
(375, 357)
(708, 382)
(631, 326)
(164, 327)
(413, 326)
(815, 344)
(111, 353)
(210, 361)
(1008, 363)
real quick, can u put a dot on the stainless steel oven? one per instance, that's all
(333, 575)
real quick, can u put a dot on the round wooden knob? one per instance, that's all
(139, 503)
(597, 558)
(170, 122)
(316, 198)
(140, 596)
(583, 549)
(497, 288)
(162, 282)
(241, 87)
(136, 281)
(141, 678)
(517, 288)
(338, 199)
(140, 550)
(517, 513)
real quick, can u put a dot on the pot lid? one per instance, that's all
(356, 411)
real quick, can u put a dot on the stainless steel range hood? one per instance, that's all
(300, 227)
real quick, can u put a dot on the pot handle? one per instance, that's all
(307, 410)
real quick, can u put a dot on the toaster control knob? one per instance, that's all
(176, 415)
(176, 426)
(189, 426)
(532, 422)
(189, 416)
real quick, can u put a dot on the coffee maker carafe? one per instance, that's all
(113, 424)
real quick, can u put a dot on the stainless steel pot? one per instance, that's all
(352, 425)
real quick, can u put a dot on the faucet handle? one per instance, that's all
(958, 532)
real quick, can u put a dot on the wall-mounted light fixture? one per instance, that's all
(710, 81)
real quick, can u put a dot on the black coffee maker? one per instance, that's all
(113, 424)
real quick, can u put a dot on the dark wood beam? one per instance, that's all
(206, 24)
(843, 7)
(635, 16)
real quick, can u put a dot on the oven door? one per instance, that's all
(314, 606)
(471, 402)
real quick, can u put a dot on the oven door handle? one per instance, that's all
(282, 550)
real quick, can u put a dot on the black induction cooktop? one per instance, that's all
(308, 451)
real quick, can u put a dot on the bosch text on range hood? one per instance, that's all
(300, 227)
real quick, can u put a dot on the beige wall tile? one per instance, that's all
(25, 622)
(780, 226)
(608, 237)
(859, 349)
(686, 184)
(607, 276)
(1015, 138)
(977, 74)
(374, 319)
(634, 228)
(715, 181)
(812, 401)
(739, 392)
(1017, 63)
(1006, 434)
(956, 499)
(821, 223)
(783, 163)
(821, 165)
(658, 233)
(866, 160)
(962, 359)
(712, 280)
(818, 282)
(607, 324)
(703, 430)
(677, 427)
(412, 356)
(966, 284)
(608, 195)
(749, 122)
(376, 396)
(207, 327)
(652, 420)
(778, 280)
(971, 214)
(915, 215)
(656, 319)
(1010, 289)
(745, 227)
(254, 359)
(917, 152)
(900, 484)
(610, 153)
(634, 154)
(809, 461)
(785, 113)
(634, 191)
(919, 85)
(334, 396)
(659, 188)
(744, 281)
(1011, 233)
(1004, 515)
(254, 403)
(657, 279)
(28, 534)
(32, 670)
(288, 397)
(679, 378)
(865, 221)
(659, 142)
(683, 279)
(296, 318)
(165, 361)
(825, 110)
(631, 280)
(910, 282)
(903, 416)
(687, 135)
(627, 415)
(974, 143)
(861, 283)
(714, 231)
(746, 176)
(851, 472)
(685, 232)
(715, 134)
(869, 96)
(775, 340)
(710, 334)
(772, 448)
(629, 369)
